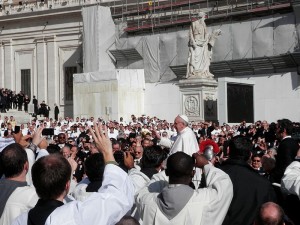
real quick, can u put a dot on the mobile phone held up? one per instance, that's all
(48, 132)
(17, 129)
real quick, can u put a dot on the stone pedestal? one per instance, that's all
(199, 99)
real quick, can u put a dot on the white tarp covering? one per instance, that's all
(109, 94)
(151, 57)
(241, 40)
(261, 36)
(99, 36)
(285, 35)
(168, 53)
(256, 37)
(223, 45)
(90, 44)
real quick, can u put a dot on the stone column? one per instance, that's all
(2, 64)
(41, 64)
(52, 70)
(199, 99)
(9, 76)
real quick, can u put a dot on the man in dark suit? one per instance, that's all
(20, 100)
(287, 149)
(35, 104)
(250, 190)
(286, 153)
(56, 112)
(203, 130)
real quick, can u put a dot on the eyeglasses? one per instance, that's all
(255, 160)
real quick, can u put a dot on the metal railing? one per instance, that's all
(180, 12)
(138, 13)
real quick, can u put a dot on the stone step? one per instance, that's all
(20, 116)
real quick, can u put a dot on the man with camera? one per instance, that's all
(175, 202)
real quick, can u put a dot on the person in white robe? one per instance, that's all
(175, 202)
(107, 206)
(186, 142)
(186, 139)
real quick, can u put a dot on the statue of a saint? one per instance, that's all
(200, 49)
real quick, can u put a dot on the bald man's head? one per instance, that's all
(270, 214)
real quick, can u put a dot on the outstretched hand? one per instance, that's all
(102, 142)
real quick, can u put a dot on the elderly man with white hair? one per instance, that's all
(186, 139)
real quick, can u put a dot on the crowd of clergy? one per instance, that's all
(149, 171)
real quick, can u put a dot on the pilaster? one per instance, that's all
(41, 64)
(9, 76)
(53, 73)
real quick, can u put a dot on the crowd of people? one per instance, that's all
(10, 100)
(148, 171)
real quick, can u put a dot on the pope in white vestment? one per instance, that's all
(186, 139)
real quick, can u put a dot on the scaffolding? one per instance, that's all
(142, 15)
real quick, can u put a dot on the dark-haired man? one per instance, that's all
(128, 220)
(16, 196)
(176, 202)
(61, 140)
(94, 168)
(248, 186)
(287, 149)
(50, 191)
(151, 163)
(107, 206)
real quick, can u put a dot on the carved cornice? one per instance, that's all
(6, 42)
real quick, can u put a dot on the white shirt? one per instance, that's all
(41, 153)
(79, 192)
(107, 206)
(20, 201)
(5, 142)
(113, 135)
(291, 179)
(25, 131)
(31, 161)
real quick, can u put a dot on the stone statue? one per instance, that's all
(200, 49)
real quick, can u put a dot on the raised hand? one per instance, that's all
(102, 142)
(22, 140)
(37, 136)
